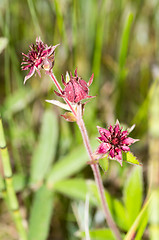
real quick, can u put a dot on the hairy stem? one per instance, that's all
(97, 175)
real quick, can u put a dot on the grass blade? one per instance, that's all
(10, 192)
(41, 212)
(45, 152)
(68, 165)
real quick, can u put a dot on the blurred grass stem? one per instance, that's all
(10, 192)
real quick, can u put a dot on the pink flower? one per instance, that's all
(114, 141)
(40, 56)
(76, 89)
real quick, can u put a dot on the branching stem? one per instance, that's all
(94, 167)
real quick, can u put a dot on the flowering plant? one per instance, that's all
(113, 141)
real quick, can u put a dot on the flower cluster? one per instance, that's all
(76, 89)
(113, 142)
(40, 56)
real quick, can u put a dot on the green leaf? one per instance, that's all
(121, 215)
(133, 190)
(137, 221)
(41, 213)
(98, 234)
(69, 165)
(153, 214)
(142, 226)
(104, 163)
(77, 189)
(130, 158)
(18, 101)
(124, 41)
(45, 151)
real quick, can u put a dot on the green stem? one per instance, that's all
(10, 193)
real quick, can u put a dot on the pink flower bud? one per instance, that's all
(76, 89)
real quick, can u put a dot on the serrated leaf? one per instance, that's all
(130, 158)
(104, 163)
(45, 151)
(41, 212)
(133, 190)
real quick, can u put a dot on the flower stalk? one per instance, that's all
(94, 166)
(97, 175)
(75, 90)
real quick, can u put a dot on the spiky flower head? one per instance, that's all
(114, 141)
(76, 89)
(40, 56)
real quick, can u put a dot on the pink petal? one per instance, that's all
(83, 85)
(38, 72)
(128, 141)
(30, 74)
(104, 133)
(103, 139)
(53, 49)
(116, 129)
(125, 148)
(69, 92)
(90, 80)
(124, 134)
(63, 80)
(112, 153)
(110, 129)
(118, 157)
(103, 148)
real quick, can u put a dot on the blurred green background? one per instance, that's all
(118, 42)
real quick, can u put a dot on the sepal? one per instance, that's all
(69, 116)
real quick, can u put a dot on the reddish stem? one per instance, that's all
(97, 175)
(95, 167)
